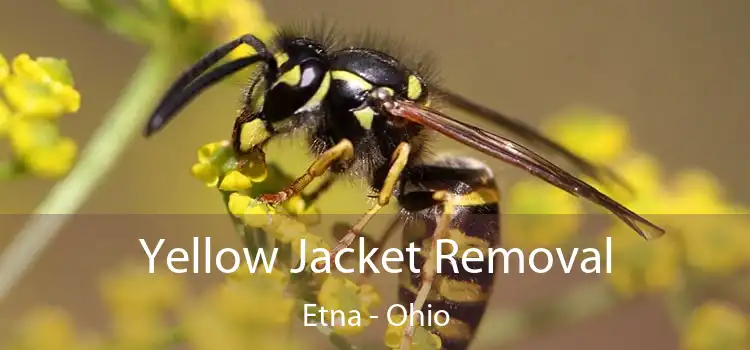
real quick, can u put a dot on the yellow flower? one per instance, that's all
(283, 228)
(252, 212)
(258, 300)
(715, 239)
(422, 339)
(216, 161)
(235, 181)
(137, 301)
(597, 136)
(211, 159)
(207, 152)
(697, 192)
(199, 10)
(54, 161)
(277, 279)
(50, 329)
(233, 17)
(249, 309)
(41, 88)
(312, 242)
(44, 69)
(301, 211)
(715, 325)
(41, 148)
(717, 244)
(640, 266)
(540, 215)
(37, 92)
(644, 175)
(4, 69)
(244, 17)
(344, 295)
(289, 230)
(238, 204)
(206, 173)
(295, 205)
(133, 290)
(27, 135)
(6, 117)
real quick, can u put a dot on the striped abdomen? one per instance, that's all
(475, 224)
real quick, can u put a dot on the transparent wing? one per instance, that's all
(519, 156)
(528, 133)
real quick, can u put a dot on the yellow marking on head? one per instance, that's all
(455, 330)
(484, 195)
(365, 117)
(351, 78)
(281, 58)
(413, 88)
(291, 77)
(459, 291)
(252, 134)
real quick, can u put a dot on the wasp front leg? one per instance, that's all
(398, 163)
(341, 152)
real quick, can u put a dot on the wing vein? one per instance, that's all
(513, 153)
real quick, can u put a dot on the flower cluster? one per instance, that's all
(232, 17)
(540, 215)
(245, 309)
(37, 92)
(422, 339)
(701, 234)
(342, 294)
(187, 27)
(706, 235)
(716, 325)
(218, 168)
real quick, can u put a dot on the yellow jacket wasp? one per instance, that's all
(367, 114)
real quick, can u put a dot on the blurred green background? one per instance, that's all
(675, 70)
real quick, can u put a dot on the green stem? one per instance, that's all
(96, 161)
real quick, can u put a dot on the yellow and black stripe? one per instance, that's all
(474, 200)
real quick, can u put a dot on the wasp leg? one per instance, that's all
(379, 246)
(398, 163)
(341, 152)
(429, 269)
